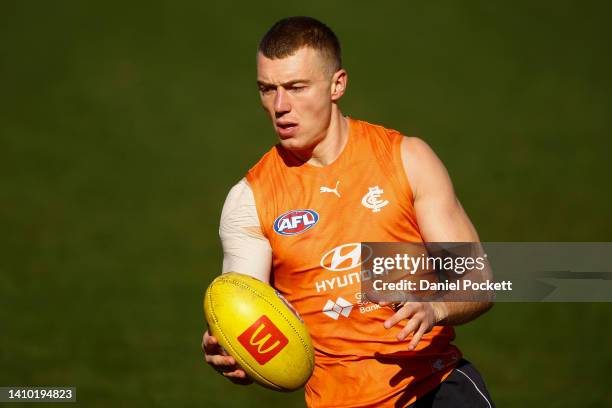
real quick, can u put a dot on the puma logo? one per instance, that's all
(331, 190)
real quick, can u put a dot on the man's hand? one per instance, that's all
(222, 362)
(422, 317)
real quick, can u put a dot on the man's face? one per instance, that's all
(296, 92)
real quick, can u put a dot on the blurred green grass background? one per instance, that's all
(124, 124)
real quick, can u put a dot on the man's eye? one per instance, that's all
(265, 90)
(297, 89)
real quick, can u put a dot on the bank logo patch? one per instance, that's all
(341, 307)
(295, 222)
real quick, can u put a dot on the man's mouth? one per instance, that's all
(286, 129)
(285, 125)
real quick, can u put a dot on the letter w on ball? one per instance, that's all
(263, 340)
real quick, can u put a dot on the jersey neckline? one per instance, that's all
(338, 163)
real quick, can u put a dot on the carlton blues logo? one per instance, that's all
(263, 340)
(295, 222)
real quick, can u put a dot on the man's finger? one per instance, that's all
(204, 340)
(417, 337)
(218, 360)
(212, 347)
(228, 369)
(237, 373)
(241, 381)
(412, 325)
(404, 313)
(210, 344)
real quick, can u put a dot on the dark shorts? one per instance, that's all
(464, 387)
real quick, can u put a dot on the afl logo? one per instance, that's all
(295, 222)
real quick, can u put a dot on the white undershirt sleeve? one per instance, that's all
(245, 249)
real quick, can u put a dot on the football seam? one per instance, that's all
(245, 286)
(246, 363)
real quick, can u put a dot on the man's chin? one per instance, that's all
(291, 143)
(298, 150)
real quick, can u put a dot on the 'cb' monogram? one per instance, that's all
(263, 340)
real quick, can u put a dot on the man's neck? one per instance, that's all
(332, 144)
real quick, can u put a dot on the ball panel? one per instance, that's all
(260, 331)
(224, 341)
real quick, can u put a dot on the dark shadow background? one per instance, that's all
(124, 124)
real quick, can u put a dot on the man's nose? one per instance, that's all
(281, 102)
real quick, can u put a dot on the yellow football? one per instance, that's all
(261, 330)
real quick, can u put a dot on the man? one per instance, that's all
(351, 182)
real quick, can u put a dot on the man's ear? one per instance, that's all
(338, 84)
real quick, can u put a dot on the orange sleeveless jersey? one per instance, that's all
(315, 229)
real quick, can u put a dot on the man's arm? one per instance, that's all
(441, 219)
(245, 250)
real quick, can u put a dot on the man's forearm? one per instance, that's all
(457, 313)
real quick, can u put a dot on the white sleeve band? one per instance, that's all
(245, 248)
